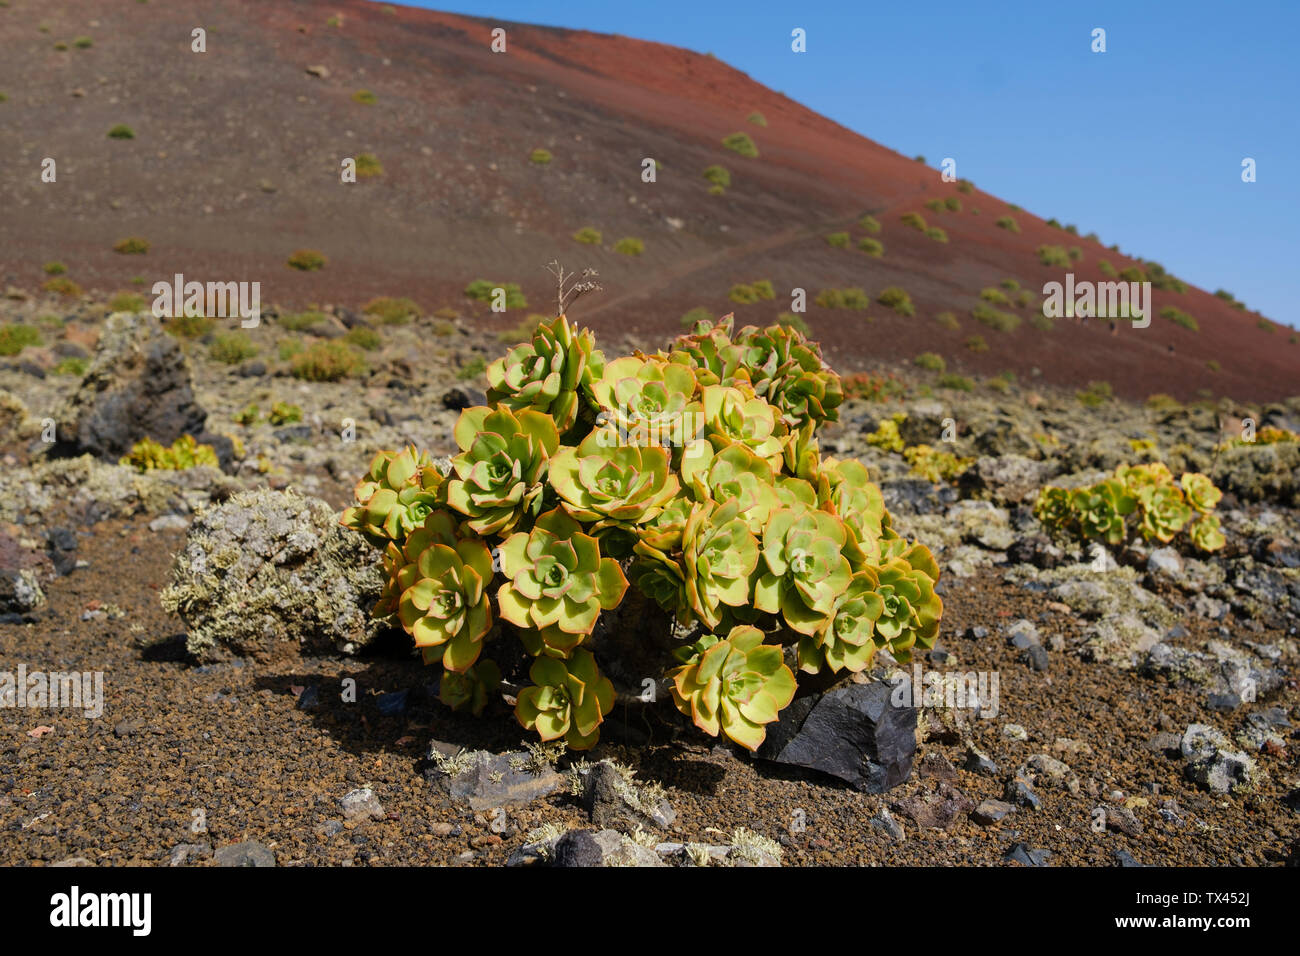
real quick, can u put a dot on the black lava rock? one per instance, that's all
(853, 732)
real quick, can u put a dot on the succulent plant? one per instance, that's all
(848, 492)
(649, 401)
(702, 465)
(664, 531)
(735, 472)
(804, 567)
(1162, 507)
(1137, 478)
(183, 453)
(910, 609)
(1163, 512)
(501, 470)
(549, 373)
(660, 576)
(1200, 491)
(471, 690)
(734, 685)
(569, 700)
(399, 559)
(446, 608)
(719, 553)
(733, 414)
(709, 351)
(394, 496)
(613, 484)
(557, 582)
(1101, 509)
(803, 452)
(1054, 507)
(846, 640)
(1206, 533)
(787, 371)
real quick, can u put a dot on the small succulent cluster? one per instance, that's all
(185, 452)
(1141, 497)
(1268, 435)
(693, 474)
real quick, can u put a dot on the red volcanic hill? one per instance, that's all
(236, 156)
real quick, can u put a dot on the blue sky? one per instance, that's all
(1142, 144)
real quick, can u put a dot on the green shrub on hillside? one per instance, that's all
(742, 144)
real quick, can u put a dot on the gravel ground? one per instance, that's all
(216, 755)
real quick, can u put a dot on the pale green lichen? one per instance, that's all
(753, 847)
(269, 572)
(539, 757)
(461, 762)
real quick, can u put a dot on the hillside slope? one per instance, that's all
(236, 154)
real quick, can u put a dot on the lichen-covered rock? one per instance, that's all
(139, 385)
(22, 569)
(1228, 676)
(1010, 479)
(20, 591)
(91, 490)
(1213, 764)
(269, 573)
(15, 421)
(1261, 472)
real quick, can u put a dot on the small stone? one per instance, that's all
(935, 766)
(1123, 820)
(1164, 742)
(1022, 634)
(578, 848)
(1036, 657)
(1022, 854)
(1212, 764)
(169, 523)
(1165, 561)
(1020, 792)
(460, 397)
(979, 762)
(1054, 771)
(990, 812)
(309, 699)
(885, 821)
(612, 801)
(1124, 859)
(1015, 732)
(938, 809)
(362, 804)
(248, 853)
(485, 781)
(183, 853)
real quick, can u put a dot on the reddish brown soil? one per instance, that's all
(230, 741)
(454, 125)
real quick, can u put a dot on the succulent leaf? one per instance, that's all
(733, 685)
